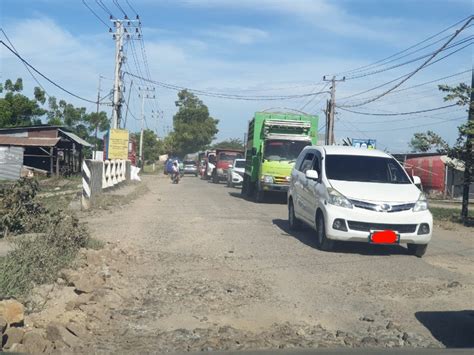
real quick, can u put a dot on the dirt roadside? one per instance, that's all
(193, 267)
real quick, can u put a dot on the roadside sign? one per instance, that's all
(118, 144)
(364, 143)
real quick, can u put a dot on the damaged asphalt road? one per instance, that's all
(212, 271)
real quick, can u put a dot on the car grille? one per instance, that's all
(366, 227)
(376, 207)
(280, 180)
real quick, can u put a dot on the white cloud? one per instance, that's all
(237, 34)
(323, 14)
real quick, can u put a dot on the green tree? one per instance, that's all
(426, 141)
(463, 148)
(18, 110)
(194, 128)
(152, 146)
(232, 143)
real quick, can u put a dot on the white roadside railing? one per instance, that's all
(113, 173)
(98, 176)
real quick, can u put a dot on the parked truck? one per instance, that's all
(274, 141)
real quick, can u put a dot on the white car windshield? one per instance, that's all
(240, 164)
(365, 169)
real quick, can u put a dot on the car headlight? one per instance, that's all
(421, 204)
(337, 199)
(267, 179)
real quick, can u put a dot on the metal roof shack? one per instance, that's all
(47, 149)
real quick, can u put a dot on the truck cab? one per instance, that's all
(274, 142)
(224, 158)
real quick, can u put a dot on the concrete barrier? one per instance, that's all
(98, 176)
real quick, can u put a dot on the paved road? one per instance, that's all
(208, 259)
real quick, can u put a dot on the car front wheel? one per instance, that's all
(322, 242)
(417, 249)
(294, 223)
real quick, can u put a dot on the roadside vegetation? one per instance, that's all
(44, 241)
(451, 215)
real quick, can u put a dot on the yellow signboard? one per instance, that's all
(118, 144)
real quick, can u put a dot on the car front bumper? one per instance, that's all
(360, 223)
(237, 179)
(190, 171)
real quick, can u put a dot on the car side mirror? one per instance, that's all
(312, 174)
(416, 180)
(254, 151)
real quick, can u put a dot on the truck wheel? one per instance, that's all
(322, 242)
(294, 223)
(244, 190)
(417, 249)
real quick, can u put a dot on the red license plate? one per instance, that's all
(384, 237)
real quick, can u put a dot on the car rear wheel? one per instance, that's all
(417, 249)
(322, 242)
(260, 196)
(294, 222)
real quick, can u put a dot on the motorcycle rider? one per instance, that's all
(175, 176)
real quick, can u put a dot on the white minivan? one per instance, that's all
(355, 194)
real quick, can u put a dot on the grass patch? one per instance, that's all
(93, 243)
(450, 214)
(46, 241)
(148, 169)
(36, 259)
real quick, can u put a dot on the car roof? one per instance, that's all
(345, 150)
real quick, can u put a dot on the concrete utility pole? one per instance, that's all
(144, 96)
(117, 103)
(468, 162)
(125, 29)
(331, 111)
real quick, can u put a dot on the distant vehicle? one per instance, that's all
(224, 158)
(202, 167)
(168, 168)
(210, 164)
(274, 141)
(190, 167)
(353, 194)
(235, 175)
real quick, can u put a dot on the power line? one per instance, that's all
(397, 113)
(407, 49)
(416, 126)
(45, 77)
(95, 14)
(105, 8)
(363, 75)
(120, 8)
(27, 68)
(400, 77)
(223, 95)
(407, 76)
(435, 117)
(131, 7)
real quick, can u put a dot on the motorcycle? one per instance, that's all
(175, 177)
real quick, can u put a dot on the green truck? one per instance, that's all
(274, 141)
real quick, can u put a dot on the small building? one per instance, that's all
(51, 150)
(438, 173)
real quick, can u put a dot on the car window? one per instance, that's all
(307, 162)
(365, 169)
(316, 164)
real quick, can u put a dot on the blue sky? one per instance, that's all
(249, 47)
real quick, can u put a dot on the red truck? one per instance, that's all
(224, 158)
